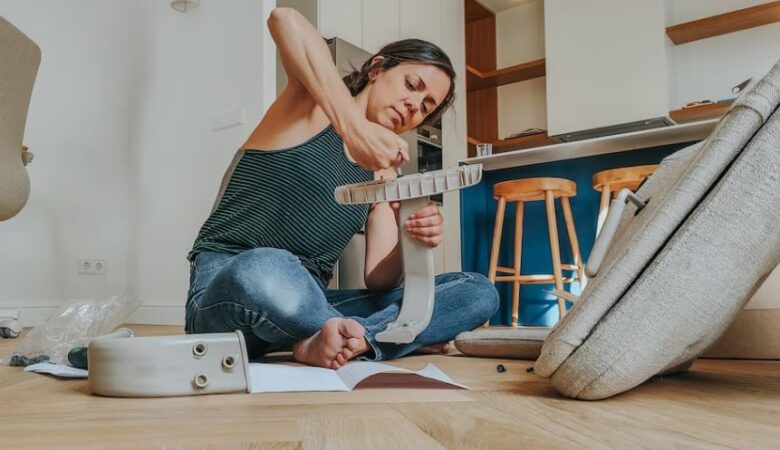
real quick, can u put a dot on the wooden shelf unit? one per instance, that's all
(475, 79)
(730, 22)
(483, 79)
(696, 113)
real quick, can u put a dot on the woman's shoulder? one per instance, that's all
(286, 124)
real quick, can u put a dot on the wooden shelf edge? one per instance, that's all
(684, 115)
(506, 145)
(518, 143)
(476, 79)
(742, 19)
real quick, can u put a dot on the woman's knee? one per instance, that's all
(263, 280)
(479, 295)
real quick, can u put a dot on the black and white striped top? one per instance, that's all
(284, 199)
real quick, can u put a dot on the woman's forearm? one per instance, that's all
(387, 274)
(307, 60)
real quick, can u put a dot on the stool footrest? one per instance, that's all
(567, 267)
(535, 279)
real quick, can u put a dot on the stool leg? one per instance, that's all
(603, 208)
(517, 259)
(552, 228)
(496, 242)
(575, 246)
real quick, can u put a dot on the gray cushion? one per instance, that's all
(515, 343)
(19, 60)
(678, 272)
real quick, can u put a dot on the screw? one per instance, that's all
(500, 368)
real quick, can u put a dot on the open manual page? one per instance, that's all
(284, 378)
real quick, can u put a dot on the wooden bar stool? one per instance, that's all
(610, 182)
(529, 190)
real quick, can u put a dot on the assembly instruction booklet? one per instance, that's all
(265, 377)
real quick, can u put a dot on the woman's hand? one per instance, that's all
(373, 146)
(424, 225)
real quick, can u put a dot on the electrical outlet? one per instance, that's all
(92, 266)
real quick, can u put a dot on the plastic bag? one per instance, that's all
(73, 325)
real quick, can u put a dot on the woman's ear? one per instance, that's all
(375, 62)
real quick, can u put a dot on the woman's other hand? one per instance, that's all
(424, 225)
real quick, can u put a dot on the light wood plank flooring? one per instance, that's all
(719, 404)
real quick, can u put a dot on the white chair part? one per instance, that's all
(413, 191)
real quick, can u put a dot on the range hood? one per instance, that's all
(615, 129)
(606, 67)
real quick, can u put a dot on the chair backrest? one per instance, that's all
(19, 61)
(678, 271)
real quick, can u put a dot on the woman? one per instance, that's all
(262, 259)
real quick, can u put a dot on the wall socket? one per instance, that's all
(92, 266)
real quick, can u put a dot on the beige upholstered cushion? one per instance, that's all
(19, 60)
(515, 343)
(679, 271)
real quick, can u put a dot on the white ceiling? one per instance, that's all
(500, 5)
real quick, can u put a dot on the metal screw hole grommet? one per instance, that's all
(229, 361)
(200, 380)
(199, 349)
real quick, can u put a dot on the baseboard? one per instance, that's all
(754, 334)
(158, 315)
(146, 315)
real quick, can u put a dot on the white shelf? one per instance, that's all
(637, 140)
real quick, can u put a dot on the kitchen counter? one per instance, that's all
(655, 137)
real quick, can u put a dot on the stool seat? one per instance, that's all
(623, 177)
(533, 189)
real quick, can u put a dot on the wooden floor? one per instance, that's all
(719, 404)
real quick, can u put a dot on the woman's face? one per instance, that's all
(401, 97)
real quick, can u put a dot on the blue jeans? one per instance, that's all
(268, 295)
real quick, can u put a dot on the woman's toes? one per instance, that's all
(353, 344)
(351, 329)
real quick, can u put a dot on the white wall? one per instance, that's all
(83, 100)
(127, 165)
(205, 62)
(520, 39)
(709, 68)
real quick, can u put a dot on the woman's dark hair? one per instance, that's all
(407, 51)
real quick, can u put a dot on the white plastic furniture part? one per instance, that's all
(413, 191)
(164, 366)
(608, 230)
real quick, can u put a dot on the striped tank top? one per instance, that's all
(284, 199)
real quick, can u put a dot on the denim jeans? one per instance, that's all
(268, 295)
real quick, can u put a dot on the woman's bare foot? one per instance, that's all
(436, 349)
(337, 342)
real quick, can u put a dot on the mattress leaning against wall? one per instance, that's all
(682, 268)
